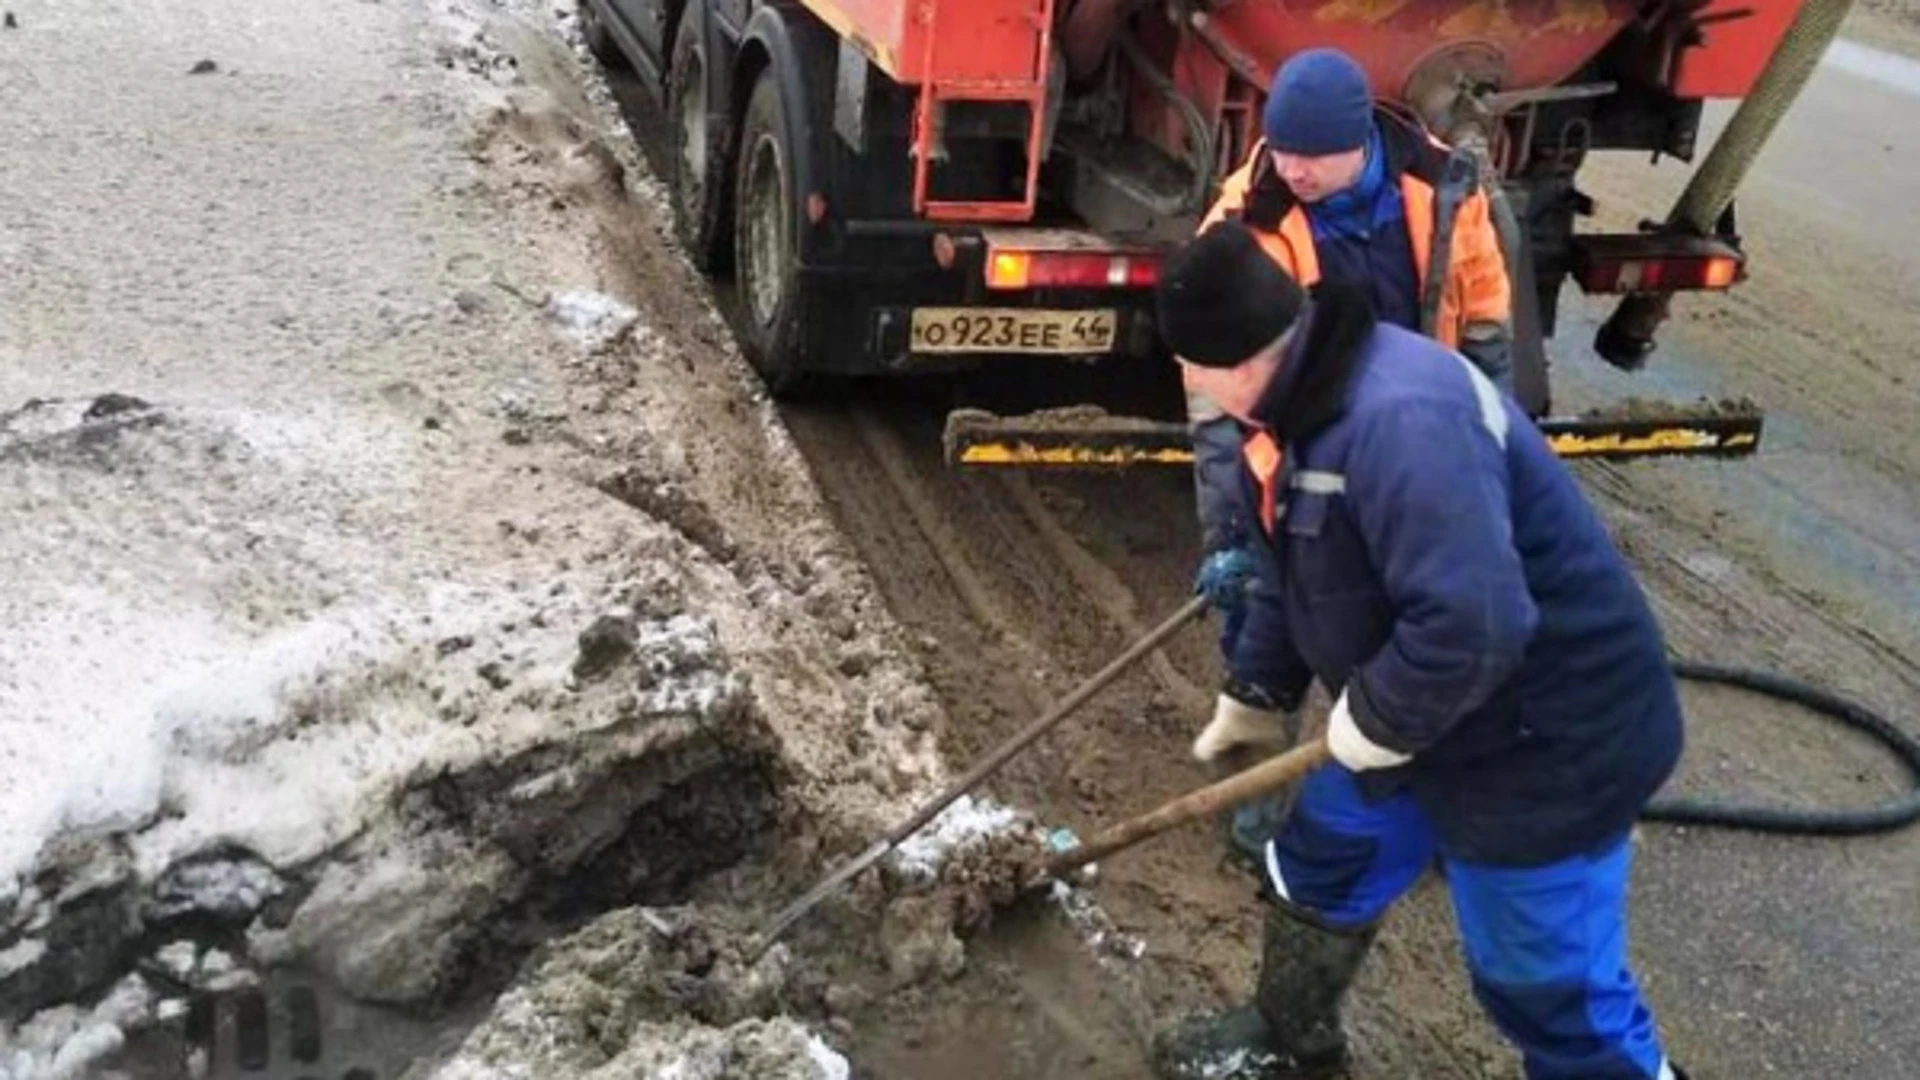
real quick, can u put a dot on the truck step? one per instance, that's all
(1027, 85)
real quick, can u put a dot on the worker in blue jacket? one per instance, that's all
(1341, 188)
(1502, 696)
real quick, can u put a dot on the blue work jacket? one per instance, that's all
(1434, 558)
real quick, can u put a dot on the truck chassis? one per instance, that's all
(901, 188)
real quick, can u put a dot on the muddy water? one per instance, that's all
(1031, 1006)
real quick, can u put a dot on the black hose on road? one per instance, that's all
(1883, 818)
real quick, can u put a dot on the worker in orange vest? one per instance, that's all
(1338, 190)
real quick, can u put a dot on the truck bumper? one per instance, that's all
(870, 287)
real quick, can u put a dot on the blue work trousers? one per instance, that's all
(1546, 945)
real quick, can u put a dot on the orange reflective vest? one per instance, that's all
(1476, 290)
(1262, 452)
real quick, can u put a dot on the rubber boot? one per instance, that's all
(1292, 1030)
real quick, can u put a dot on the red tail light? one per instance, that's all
(1015, 269)
(1654, 263)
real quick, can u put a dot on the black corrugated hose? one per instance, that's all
(1884, 818)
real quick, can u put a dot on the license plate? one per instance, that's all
(1012, 330)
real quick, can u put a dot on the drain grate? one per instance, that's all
(288, 1028)
(257, 1034)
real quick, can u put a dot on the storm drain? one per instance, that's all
(289, 1028)
(291, 1023)
(236, 1036)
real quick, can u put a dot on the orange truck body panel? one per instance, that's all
(956, 51)
(1733, 52)
(1001, 50)
(1543, 42)
(983, 41)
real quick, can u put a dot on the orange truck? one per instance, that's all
(908, 186)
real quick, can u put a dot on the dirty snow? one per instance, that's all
(593, 319)
(1093, 924)
(831, 1065)
(67, 1042)
(178, 959)
(200, 719)
(609, 1002)
(189, 964)
(351, 544)
(966, 822)
(21, 954)
(1235, 1064)
(233, 888)
(207, 571)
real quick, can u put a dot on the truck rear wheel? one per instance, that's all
(699, 172)
(766, 232)
(599, 39)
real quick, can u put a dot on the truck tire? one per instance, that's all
(699, 178)
(766, 233)
(599, 39)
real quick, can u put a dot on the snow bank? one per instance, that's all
(250, 646)
(158, 631)
(68, 1042)
(247, 632)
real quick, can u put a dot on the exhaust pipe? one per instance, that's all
(1626, 338)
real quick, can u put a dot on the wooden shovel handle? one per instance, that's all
(1239, 788)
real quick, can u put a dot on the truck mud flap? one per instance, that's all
(1079, 437)
(1086, 437)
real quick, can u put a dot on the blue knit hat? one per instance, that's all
(1319, 104)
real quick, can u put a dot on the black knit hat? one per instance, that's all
(1222, 298)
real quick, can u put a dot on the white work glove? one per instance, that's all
(1236, 723)
(1352, 748)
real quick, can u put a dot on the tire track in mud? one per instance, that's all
(885, 449)
(1104, 589)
